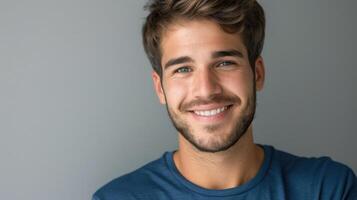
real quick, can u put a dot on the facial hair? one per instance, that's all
(240, 127)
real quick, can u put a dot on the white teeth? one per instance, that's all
(208, 113)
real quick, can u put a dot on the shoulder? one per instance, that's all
(323, 175)
(136, 183)
(336, 179)
(293, 163)
(316, 166)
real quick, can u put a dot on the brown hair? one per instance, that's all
(243, 16)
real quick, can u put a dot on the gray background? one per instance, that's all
(77, 106)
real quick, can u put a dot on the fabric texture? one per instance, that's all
(281, 176)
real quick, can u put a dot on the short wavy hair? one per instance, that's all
(234, 16)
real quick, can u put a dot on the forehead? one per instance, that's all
(190, 38)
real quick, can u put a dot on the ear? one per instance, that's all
(259, 73)
(158, 87)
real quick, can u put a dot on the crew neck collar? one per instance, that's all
(225, 192)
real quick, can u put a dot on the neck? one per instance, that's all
(221, 170)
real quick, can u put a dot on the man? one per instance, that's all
(206, 56)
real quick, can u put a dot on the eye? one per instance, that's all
(226, 64)
(183, 70)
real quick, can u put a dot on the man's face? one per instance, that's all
(207, 84)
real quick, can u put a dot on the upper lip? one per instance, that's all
(208, 107)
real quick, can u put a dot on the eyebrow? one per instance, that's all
(179, 60)
(232, 52)
(216, 54)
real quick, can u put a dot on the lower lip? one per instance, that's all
(215, 118)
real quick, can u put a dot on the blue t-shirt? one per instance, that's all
(282, 176)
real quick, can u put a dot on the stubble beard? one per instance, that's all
(241, 126)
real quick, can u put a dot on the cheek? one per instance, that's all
(239, 84)
(175, 92)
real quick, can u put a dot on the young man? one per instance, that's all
(207, 69)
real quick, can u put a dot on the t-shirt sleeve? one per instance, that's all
(112, 195)
(351, 193)
(95, 197)
(337, 182)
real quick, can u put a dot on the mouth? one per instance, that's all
(211, 114)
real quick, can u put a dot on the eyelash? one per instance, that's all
(226, 63)
(181, 68)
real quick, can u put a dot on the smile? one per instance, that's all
(209, 113)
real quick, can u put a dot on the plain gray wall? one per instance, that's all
(77, 107)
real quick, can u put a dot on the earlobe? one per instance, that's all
(259, 73)
(158, 87)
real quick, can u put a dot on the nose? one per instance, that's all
(206, 84)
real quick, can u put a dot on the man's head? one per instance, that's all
(234, 16)
(207, 66)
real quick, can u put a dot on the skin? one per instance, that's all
(215, 152)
